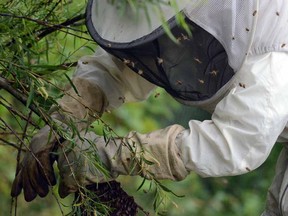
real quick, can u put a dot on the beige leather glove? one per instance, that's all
(153, 155)
(35, 173)
(83, 107)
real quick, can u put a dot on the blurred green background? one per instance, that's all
(229, 196)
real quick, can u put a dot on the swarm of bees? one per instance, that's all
(114, 197)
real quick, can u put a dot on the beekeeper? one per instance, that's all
(234, 64)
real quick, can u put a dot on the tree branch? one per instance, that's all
(5, 142)
(18, 95)
(39, 34)
(15, 112)
(55, 27)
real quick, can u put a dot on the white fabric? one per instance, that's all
(243, 27)
(254, 110)
(245, 124)
(119, 83)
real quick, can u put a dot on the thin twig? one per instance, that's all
(63, 66)
(15, 112)
(55, 27)
(18, 95)
(52, 9)
(5, 142)
(39, 34)
(50, 25)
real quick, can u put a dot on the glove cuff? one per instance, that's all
(153, 155)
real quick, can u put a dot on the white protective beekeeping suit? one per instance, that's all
(249, 106)
(249, 113)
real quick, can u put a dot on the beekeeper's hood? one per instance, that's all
(193, 69)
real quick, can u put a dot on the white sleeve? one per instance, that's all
(119, 83)
(245, 124)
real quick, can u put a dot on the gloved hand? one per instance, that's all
(153, 155)
(35, 173)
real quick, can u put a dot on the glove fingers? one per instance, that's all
(29, 193)
(46, 170)
(63, 190)
(37, 182)
(17, 185)
(47, 174)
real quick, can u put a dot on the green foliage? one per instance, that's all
(40, 43)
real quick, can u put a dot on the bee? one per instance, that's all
(157, 95)
(185, 37)
(132, 64)
(122, 99)
(198, 60)
(254, 13)
(283, 45)
(242, 85)
(201, 81)
(160, 60)
(214, 73)
(126, 61)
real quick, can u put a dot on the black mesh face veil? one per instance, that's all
(193, 69)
